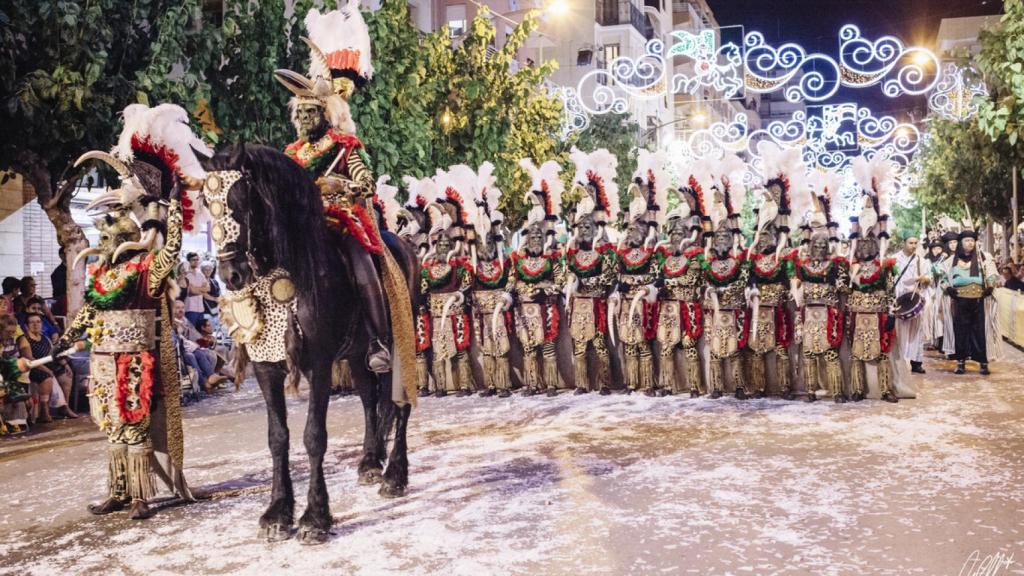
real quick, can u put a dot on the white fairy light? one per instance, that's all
(954, 95)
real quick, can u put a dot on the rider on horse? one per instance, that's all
(329, 150)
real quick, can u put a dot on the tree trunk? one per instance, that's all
(56, 202)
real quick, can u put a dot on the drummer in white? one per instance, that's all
(914, 273)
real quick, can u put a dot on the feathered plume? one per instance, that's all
(457, 187)
(387, 194)
(163, 130)
(826, 185)
(598, 169)
(654, 165)
(729, 173)
(343, 41)
(545, 191)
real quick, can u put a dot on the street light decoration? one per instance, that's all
(955, 95)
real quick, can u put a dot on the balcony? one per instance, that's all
(617, 12)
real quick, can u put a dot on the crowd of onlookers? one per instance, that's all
(31, 325)
(1013, 275)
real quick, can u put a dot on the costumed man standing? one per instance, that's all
(771, 269)
(914, 277)
(539, 275)
(820, 279)
(951, 241)
(328, 148)
(414, 222)
(135, 395)
(872, 281)
(591, 267)
(968, 279)
(492, 305)
(634, 304)
(726, 274)
(446, 277)
(934, 254)
(680, 311)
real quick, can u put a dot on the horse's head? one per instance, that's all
(237, 218)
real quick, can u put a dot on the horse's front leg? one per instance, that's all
(315, 524)
(396, 477)
(276, 522)
(371, 466)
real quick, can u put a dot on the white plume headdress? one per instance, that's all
(545, 193)
(652, 170)
(387, 195)
(597, 169)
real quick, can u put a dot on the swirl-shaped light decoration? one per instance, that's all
(574, 118)
(770, 69)
(864, 63)
(720, 69)
(953, 98)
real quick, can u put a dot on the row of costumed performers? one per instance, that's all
(666, 296)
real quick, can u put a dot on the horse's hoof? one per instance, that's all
(391, 489)
(275, 532)
(504, 394)
(371, 476)
(311, 536)
(694, 394)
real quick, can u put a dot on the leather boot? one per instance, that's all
(984, 370)
(140, 510)
(108, 506)
(960, 367)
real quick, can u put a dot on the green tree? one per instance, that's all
(485, 111)
(1001, 62)
(67, 69)
(958, 165)
(392, 112)
(618, 133)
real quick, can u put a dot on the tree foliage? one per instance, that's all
(958, 164)
(1001, 61)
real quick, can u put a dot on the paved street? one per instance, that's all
(572, 485)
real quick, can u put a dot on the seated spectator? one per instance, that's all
(202, 360)
(51, 383)
(210, 299)
(28, 292)
(14, 403)
(209, 341)
(36, 305)
(1010, 278)
(11, 287)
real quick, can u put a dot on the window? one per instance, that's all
(455, 16)
(583, 57)
(611, 52)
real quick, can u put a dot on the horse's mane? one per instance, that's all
(289, 215)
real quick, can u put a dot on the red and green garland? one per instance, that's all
(348, 141)
(587, 270)
(809, 276)
(355, 220)
(634, 265)
(125, 278)
(875, 280)
(527, 274)
(726, 278)
(495, 280)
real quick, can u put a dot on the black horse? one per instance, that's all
(279, 210)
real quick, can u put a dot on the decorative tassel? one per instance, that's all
(630, 369)
(117, 471)
(835, 376)
(602, 379)
(463, 371)
(341, 376)
(140, 474)
(646, 368)
(737, 372)
(667, 374)
(811, 377)
(530, 372)
(782, 367)
(579, 366)
(885, 374)
(551, 378)
(422, 373)
(693, 371)
(716, 375)
(499, 375)
(757, 372)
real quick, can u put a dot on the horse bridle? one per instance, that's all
(226, 229)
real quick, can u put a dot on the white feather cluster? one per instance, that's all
(655, 163)
(164, 126)
(876, 177)
(463, 180)
(826, 185)
(388, 197)
(604, 164)
(337, 31)
(728, 174)
(545, 175)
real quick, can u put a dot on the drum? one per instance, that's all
(909, 305)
